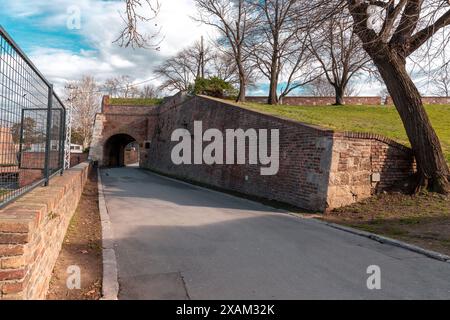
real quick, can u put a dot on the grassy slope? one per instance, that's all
(135, 102)
(382, 120)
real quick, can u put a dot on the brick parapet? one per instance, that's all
(32, 230)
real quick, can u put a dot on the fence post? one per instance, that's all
(22, 121)
(63, 141)
(48, 136)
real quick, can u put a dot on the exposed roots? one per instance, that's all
(439, 184)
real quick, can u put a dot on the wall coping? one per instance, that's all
(372, 136)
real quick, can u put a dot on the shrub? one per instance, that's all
(214, 87)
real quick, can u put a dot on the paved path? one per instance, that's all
(177, 241)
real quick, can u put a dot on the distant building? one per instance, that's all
(76, 148)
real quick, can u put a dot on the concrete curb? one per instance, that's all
(390, 241)
(110, 287)
(375, 237)
(372, 236)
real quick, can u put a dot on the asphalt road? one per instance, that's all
(177, 241)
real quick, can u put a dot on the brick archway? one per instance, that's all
(118, 125)
(114, 150)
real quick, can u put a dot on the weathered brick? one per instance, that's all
(14, 296)
(14, 274)
(12, 262)
(8, 250)
(13, 287)
(14, 238)
(10, 224)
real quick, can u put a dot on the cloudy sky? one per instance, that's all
(65, 53)
(62, 53)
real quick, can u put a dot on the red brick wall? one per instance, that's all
(32, 230)
(426, 100)
(320, 101)
(28, 177)
(302, 176)
(131, 157)
(319, 169)
(77, 158)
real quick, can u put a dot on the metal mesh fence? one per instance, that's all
(32, 124)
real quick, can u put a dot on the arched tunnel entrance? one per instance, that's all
(121, 150)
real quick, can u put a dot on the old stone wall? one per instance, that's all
(32, 230)
(364, 164)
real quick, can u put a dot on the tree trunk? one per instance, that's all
(242, 81)
(339, 96)
(433, 171)
(273, 94)
(242, 93)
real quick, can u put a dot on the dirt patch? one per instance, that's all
(423, 220)
(82, 248)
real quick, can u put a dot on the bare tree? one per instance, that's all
(276, 47)
(178, 72)
(390, 32)
(121, 87)
(320, 87)
(338, 49)
(111, 87)
(234, 19)
(137, 13)
(442, 77)
(197, 61)
(148, 92)
(299, 69)
(127, 87)
(85, 100)
(222, 66)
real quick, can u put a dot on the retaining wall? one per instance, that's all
(319, 169)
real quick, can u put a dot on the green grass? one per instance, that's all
(382, 120)
(134, 102)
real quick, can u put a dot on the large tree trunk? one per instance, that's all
(242, 77)
(273, 94)
(242, 93)
(339, 96)
(433, 171)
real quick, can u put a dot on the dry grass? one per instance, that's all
(423, 219)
